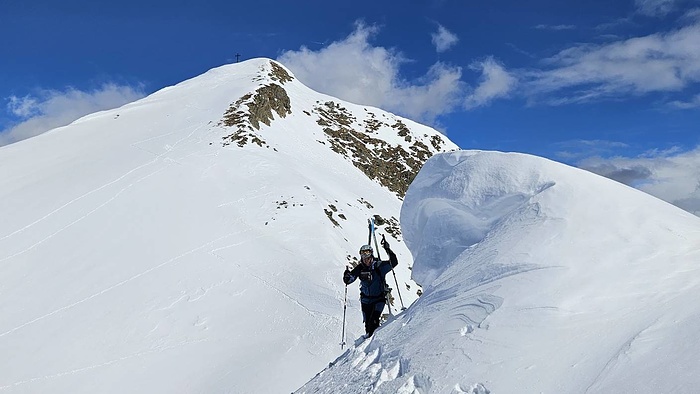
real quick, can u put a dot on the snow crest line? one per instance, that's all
(114, 286)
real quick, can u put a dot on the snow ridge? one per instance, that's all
(538, 277)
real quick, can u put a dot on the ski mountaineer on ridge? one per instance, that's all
(371, 272)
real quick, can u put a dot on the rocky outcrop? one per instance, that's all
(394, 166)
(249, 111)
(279, 74)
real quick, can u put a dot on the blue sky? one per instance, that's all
(611, 86)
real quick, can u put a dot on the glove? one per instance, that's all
(347, 276)
(385, 244)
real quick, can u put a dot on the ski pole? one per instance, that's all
(403, 308)
(345, 307)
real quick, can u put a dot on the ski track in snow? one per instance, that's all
(114, 286)
(76, 200)
(624, 349)
(114, 197)
(156, 159)
(263, 281)
(104, 364)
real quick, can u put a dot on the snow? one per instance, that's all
(138, 255)
(538, 278)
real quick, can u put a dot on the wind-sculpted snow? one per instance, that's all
(455, 205)
(537, 277)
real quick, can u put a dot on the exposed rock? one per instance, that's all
(437, 142)
(392, 227)
(279, 74)
(403, 130)
(268, 98)
(330, 217)
(259, 107)
(392, 166)
(378, 220)
(365, 202)
(372, 125)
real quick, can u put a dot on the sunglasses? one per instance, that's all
(366, 253)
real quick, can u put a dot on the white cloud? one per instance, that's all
(495, 82)
(354, 70)
(577, 149)
(49, 109)
(22, 107)
(438, 92)
(671, 176)
(444, 39)
(654, 63)
(654, 7)
(693, 103)
(692, 15)
(555, 27)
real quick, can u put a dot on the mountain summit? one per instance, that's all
(194, 240)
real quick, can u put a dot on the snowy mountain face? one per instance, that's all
(194, 240)
(538, 278)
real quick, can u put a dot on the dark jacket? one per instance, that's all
(372, 278)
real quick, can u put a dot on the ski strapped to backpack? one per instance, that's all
(387, 289)
(370, 226)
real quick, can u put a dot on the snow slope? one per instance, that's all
(538, 278)
(146, 250)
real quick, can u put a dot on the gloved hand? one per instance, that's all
(385, 244)
(347, 276)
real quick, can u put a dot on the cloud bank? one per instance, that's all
(49, 109)
(671, 176)
(354, 70)
(661, 62)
